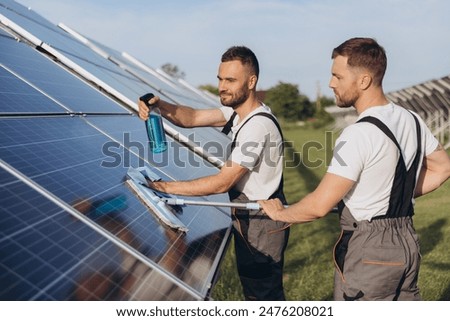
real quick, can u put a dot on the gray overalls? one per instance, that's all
(259, 241)
(380, 259)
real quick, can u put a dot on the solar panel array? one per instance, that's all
(431, 100)
(70, 228)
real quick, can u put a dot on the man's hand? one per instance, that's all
(317, 204)
(272, 207)
(218, 183)
(156, 185)
(144, 110)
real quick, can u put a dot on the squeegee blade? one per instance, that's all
(157, 207)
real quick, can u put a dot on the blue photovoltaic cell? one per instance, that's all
(48, 253)
(51, 79)
(16, 96)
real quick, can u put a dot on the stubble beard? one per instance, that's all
(347, 100)
(235, 100)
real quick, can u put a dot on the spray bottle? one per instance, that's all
(154, 126)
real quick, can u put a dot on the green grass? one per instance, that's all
(309, 265)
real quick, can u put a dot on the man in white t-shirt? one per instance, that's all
(253, 170)
(380, 164)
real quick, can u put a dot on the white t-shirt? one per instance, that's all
(258, 147)
(364, 154)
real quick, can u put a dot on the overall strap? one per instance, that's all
(227, 128)
(279, 192)
(383, 128)
(402, 191)
(270, 116)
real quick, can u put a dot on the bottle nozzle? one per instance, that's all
(146, 98)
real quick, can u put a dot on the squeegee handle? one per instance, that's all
(182, 202)
(253, 206)
(249, 206)
(174, 201)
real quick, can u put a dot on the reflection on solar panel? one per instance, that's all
(70, 228)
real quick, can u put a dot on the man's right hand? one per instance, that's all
(144, 110)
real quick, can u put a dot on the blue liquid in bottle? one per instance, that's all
(155, 131)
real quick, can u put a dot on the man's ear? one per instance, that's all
(252, 82)
(365, 81)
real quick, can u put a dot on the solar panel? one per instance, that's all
(13, 103)
(103, 72)
(164, 85)
(46, 76)
(168, 88)
(70, 227)
(50, 254)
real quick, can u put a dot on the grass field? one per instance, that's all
(309, 267)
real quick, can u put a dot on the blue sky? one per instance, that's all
(292, 39)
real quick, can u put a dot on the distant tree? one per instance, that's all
(321, 117)
(173, 70)
(326, 101)
(212, 89)
(287, 102)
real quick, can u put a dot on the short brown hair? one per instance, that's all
(365, 53)
(244, 55)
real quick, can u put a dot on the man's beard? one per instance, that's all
(348, 99)
(236, 100)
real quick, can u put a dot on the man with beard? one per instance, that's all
(380, 164)
(253, 170)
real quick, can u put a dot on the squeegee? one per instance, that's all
(138, 183)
